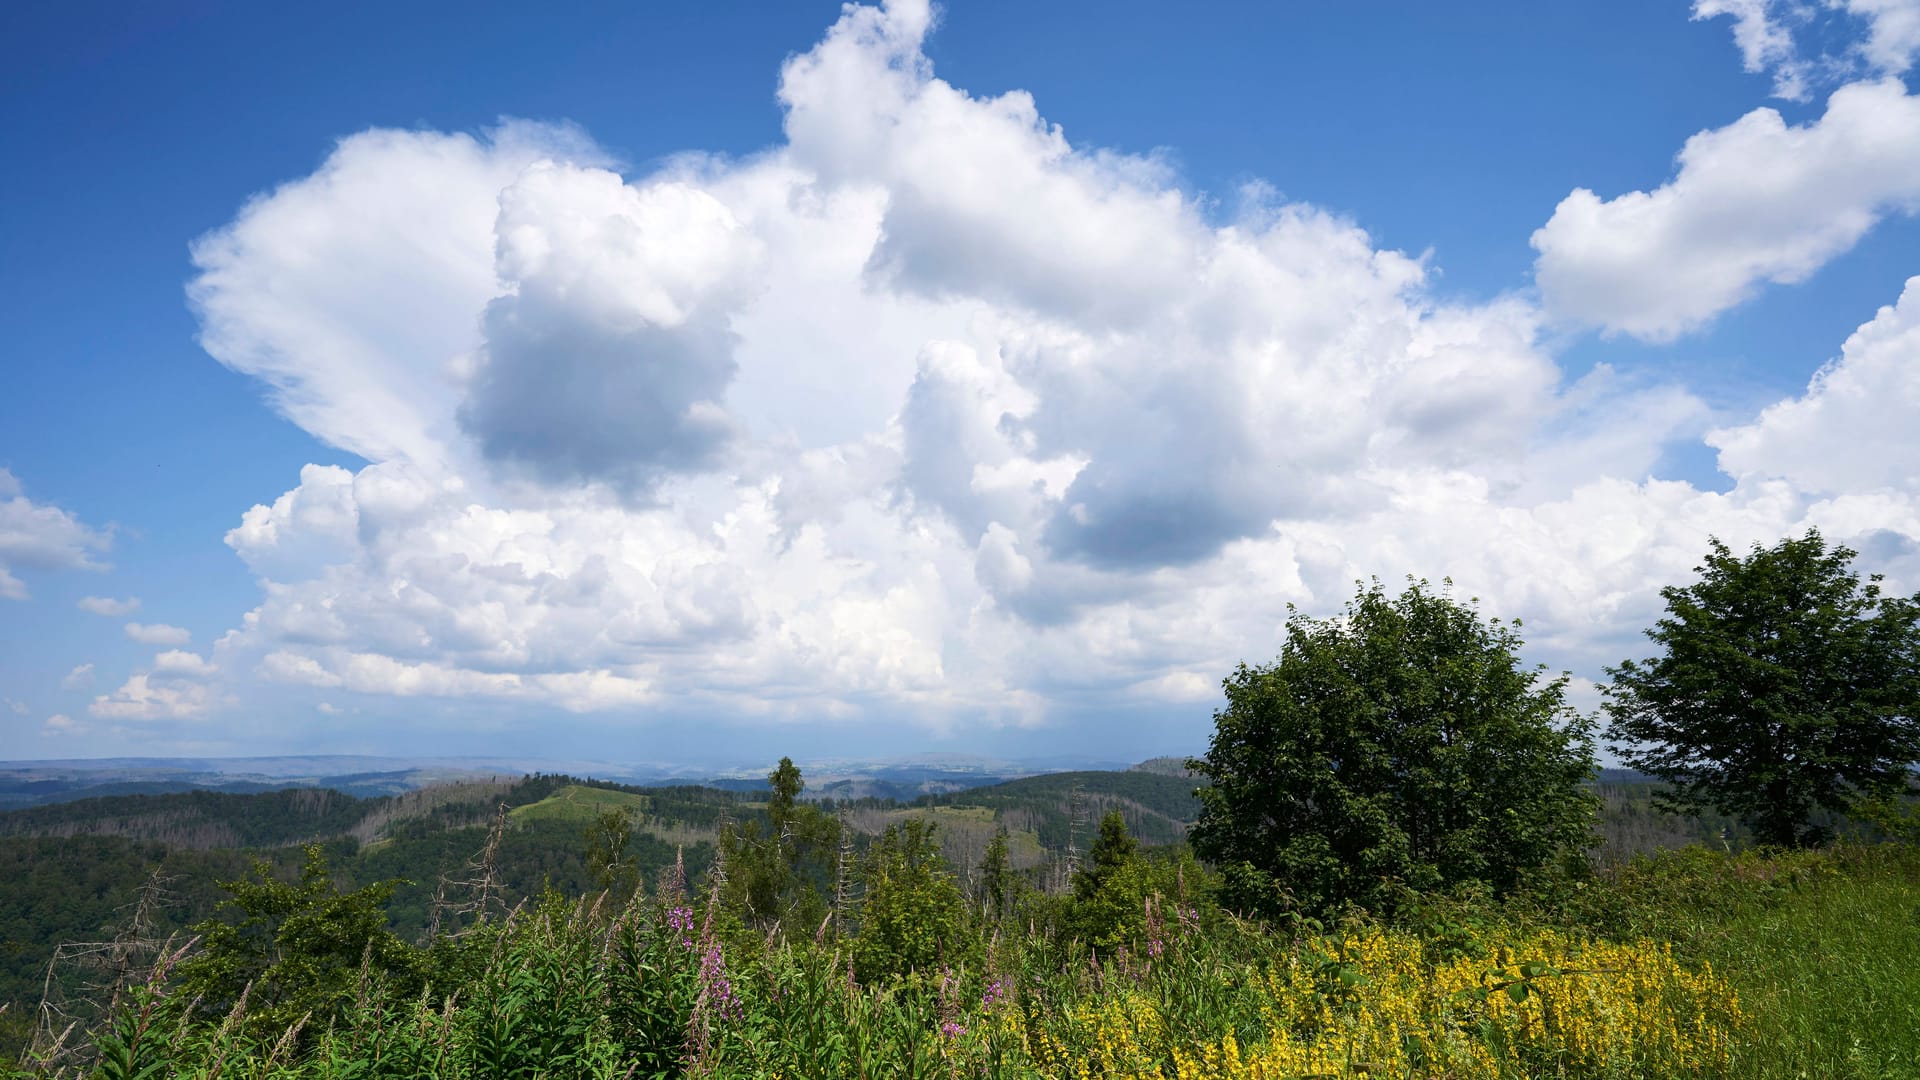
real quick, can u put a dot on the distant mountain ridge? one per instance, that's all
(25, 784)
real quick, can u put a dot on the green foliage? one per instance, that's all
(784, 785)
(1786, 687)
(82, 888)
(1112, 850)
(1817, 945)
(1110, 891)
(912, 915)
(1402, 746)
(1818, 942)
(776, 876)
(652, 987)
(606, 854)
(996, 877)
(299, 950)
(1141, 902)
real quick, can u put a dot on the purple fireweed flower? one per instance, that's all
(996, 990)
(951, 1029)
(715, 987)
(680, 920)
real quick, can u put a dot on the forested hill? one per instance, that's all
(292, 816)
(71, 872)
(1158, 807)
(202, 820)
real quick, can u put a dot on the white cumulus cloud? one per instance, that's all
(145, 697)
(105, 605)
(931, 414)
(158, 634)
(181, 664)
(40, 537)
(1853, 430)
(1880, 37)
(314, 269)
(609, 354)
(79, 678)
(1754, 202)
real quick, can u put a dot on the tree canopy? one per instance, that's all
(778, 877)
(1785, 686)
(1402, 745)
(913, 916)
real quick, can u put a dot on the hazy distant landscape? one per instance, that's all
(34, 783)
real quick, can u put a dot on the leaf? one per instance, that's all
(1517, 991)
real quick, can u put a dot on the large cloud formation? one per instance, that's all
(925, 414)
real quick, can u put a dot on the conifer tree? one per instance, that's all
(996, 875)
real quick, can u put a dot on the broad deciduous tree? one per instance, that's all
(1402, 745)
(1786, 686)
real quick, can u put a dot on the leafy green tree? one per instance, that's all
(299, 950)
(1786, 686)
(912, 914)
(1400, 746)
(1143, 902)
(1111, 888)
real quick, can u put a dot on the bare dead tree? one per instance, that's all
(1076, 821)
(434, 911)
(479, 879)
(98, 973)
(843, 878)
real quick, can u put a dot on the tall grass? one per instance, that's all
(1829, 966)
(1690, 964)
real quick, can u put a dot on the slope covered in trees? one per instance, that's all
(1157, 807)
(72, 872)
(199, 819)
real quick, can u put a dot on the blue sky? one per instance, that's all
(689, 378)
